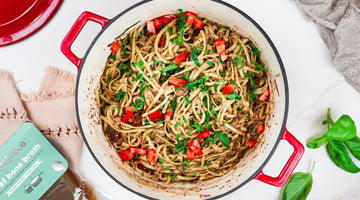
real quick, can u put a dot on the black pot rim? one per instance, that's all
(283, 75)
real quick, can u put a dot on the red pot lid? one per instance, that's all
(21, 18)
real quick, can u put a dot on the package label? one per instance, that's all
(29, 164)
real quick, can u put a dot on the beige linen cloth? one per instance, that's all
(339, 25)
(51, 109)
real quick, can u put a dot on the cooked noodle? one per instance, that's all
(136, 76)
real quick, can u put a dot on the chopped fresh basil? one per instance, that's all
(177, 124)
(139, 103)
(181, 146)
(239, 60)
(120, 95)
(192, 174)
(113, 108)
(139, 76)
(170, 67)
(199, 82)
(140, 64)
(194, 57)
(169, 30)
(211, 63)
(233, 96)
(224, 139)
(254, 49)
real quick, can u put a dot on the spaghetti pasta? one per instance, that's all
(183, 98)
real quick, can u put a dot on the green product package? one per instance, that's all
(29, 165)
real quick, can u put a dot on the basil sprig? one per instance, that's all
(298, 186)
(343, 131)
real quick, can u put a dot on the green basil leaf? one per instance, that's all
(224, 139)
(298, 186)
(354, 146)
(343, 129)
(340, 156)
(316, 143)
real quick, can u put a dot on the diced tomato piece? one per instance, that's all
(157, 115)
(126, 155)
(264, 96)
(161, 42)
(194, 146)
(198, 23)
(198, 152)
(224, 57)
(181, 58)
(251, 143)
(203, 134)
(125, 118)
(220, 48)
(115, 46)
(128, 113)
(169, 114)
(260, 128)
(132, 150)
(160, 84)
(228, 88)
(177, 81)
(139, 151)
(167, 18)
(190, 17)
(152, 155)
(157, 23)
(190, 154)
(151, 27)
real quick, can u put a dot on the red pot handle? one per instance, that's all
(289, 166)
(74, 32)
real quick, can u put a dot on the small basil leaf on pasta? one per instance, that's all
(224, 139)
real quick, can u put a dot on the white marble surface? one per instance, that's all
(314, 86)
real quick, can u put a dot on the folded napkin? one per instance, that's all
(339, 25)
(51, 109)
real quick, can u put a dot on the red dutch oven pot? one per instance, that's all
(91, 67)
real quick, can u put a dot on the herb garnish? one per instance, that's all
(139, 76)
(192, 174)
(194, 57)
(239, 60)
(343, 131)
(253, 85)
(139, 103)
(170, 67)
(254, 49)
(298, 186)
(259, 67)
(199, 82)
(140, 64)
(224, 139)
(233, 96)
(120, 95)
(181, 146)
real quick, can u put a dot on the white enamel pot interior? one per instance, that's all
(91, 68)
